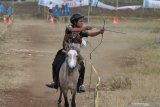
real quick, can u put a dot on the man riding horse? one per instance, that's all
(73, 38)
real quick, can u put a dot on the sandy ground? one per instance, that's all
(27, 54)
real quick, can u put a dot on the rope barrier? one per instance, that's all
(96, 94)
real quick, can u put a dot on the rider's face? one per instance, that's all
(80, 23)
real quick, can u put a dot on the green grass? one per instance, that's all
(146, 51)
(148, 58)
(119, 82)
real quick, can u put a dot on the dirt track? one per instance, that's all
(27, 55)
(30, 49)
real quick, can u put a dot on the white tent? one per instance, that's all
(151, 4)
(79, 3)
(71, 3)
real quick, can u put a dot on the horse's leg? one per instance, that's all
(60, 96)
(73, 103)
(65, 98)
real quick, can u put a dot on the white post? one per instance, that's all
(89, 9)
(12, 6)
(91, 4)
(116, 4)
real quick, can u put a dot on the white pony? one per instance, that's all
(68, 77)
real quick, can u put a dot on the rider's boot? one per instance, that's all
(53, 85)
(55, 79)
(59, 59)
(80, 85)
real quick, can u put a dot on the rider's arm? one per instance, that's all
(92, 34)
(77, 29)
(80, 29)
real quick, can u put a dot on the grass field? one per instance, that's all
(136, 71)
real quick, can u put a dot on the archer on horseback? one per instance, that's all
(73, 38)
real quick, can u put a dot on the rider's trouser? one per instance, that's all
(81, 72)
(58, 61)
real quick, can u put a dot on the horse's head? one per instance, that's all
(71, 58)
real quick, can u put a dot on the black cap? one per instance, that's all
(75, 17)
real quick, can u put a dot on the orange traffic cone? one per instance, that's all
(5, 20)
(115, 20)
